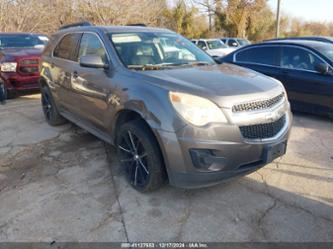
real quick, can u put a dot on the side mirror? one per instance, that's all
(94, 61)
(322, 68)
(204, 48)
(234, 44)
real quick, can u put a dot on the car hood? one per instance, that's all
(16, 53)
(224, 84)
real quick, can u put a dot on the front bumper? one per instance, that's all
(222, 151)
(17, 82)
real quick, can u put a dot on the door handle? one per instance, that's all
(75, 74)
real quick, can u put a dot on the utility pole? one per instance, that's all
(278, 19)
(210, 15)
(210, 21)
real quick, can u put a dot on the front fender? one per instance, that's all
(153, 105)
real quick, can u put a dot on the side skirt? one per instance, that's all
(86, 125)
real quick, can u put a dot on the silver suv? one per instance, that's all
(171, 111)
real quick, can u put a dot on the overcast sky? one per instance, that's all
(309, 10)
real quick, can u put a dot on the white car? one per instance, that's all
(214, 47)
(235, 42)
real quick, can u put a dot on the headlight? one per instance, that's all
(196, 110)
(8, 67)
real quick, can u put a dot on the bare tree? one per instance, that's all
(208, 7)
(47, 15)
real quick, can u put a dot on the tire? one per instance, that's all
(140, 156)
(10, 94)
(3, 94)
(7, 94)
(50, 110)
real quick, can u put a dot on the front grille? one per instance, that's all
(29, 62)
(28, 66)
(262, 131)
(258, 105)
(29, 70)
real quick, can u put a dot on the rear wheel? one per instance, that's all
(50, 110)
(140, 156)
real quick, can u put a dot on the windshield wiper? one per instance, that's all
(153, 66)
(199, 63)
(167, 65)
(144, 67)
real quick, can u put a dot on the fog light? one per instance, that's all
(205, 159)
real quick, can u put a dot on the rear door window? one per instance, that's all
(202, 44)
(231, 42)
(91, 45)
(267, 55)
(66, 48)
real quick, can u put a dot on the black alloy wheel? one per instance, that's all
(46, 105)
(140, 157)
(51, 113)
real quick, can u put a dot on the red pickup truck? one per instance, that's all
(19, 61)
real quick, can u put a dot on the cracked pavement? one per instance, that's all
(63, 184)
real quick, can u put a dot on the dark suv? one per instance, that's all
(170, 110)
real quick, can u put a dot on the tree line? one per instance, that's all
(252, 19)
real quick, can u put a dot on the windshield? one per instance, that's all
(215, 44)
(243, 42)
(20, 41)
(326, 50)
(148, 50)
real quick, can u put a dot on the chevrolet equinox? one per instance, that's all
(171, 112)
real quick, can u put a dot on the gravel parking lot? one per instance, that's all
(63, 184)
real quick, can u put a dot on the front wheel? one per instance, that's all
(140, 156)
(50, 110)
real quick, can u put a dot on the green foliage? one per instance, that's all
(184, 19)
(244, 18)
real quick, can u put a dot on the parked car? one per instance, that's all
(19, 61)
(213, 47)
(304, 67)
(183, 119)
(234, 42)
(327, 39)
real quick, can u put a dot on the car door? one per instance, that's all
(308, 90)
(61, 68)
(263, 59)
(90, 86)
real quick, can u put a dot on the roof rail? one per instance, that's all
(78, 24)
(137, 24)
